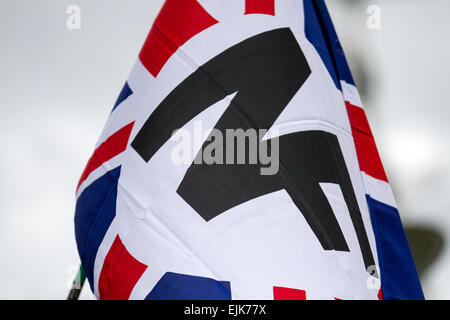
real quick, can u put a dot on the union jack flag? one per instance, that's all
(325, 226)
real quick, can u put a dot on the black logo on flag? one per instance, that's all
(266, 71)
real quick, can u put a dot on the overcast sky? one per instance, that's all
(57, 87)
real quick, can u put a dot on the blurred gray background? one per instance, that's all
(57, 87)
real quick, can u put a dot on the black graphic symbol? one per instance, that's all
(266, 71)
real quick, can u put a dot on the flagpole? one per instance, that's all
(77, 285)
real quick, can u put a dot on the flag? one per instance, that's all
(238, 163)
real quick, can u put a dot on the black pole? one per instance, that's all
(77, 285)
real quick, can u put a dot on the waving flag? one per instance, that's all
(312, 218)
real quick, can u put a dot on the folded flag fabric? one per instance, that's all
(238, 163)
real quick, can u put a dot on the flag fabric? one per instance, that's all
(312, 218)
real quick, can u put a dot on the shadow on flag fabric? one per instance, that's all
(311, 218)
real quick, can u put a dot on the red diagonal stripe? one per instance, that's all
(358, 118)
(366, 149)
(260, 6)
(380, 294)
(114, 145)
(120, 273)
(177, 22)
(281, 293)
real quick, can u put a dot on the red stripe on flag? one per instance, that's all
(177, 22)
(120, 273)
(114, 145)
(281, 293)
(358, 118)
(366, 149)
(260, 6)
